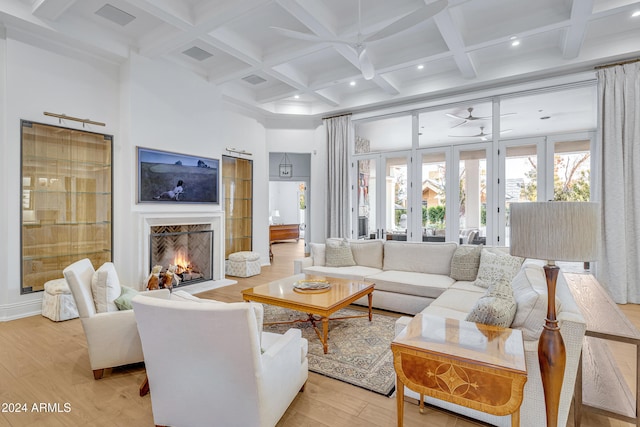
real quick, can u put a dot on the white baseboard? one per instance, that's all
(19, 310)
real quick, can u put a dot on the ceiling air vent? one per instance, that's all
(197, 53)
(114, 14)
(253, 79)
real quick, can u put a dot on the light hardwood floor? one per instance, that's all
(44, 362)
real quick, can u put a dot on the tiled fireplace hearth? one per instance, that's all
(201, 234)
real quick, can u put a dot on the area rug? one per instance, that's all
(359, 350)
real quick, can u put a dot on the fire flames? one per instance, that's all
(182, 263)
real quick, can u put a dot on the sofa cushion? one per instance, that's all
(105, 287)
(367, 253)
(338, 254)
(530, 292)
(123, 302)
(465, 262)
(317, 253)
(458, 299)
(411, 283)
(496, 265)
(497, 307)
(419, 257)
(356, 272)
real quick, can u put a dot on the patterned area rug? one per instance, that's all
(359, 350)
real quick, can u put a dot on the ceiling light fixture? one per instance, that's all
(296, 96)
(352, 83)
(515, 43)
(420, 67)
(635, 14)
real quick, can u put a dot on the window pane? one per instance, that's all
(433, 196)
(473, 196)
(521, 172)
(572, 171)
(366, 198)
(396, 198)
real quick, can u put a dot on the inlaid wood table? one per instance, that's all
(470, 364)
(319, 305)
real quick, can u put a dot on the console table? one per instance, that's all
(600, 386)
(470, 364)
(282, 232)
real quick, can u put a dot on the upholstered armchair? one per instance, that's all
(112, 336)
(210, 364)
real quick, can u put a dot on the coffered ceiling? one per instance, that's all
(469, 44)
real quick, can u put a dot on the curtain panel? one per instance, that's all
(339, 134)
(619, 189)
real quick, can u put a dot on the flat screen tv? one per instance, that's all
(165, 177)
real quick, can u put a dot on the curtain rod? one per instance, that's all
(339, 115)
(613, 64)
(83, 121)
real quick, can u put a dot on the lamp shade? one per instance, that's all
(555, 231)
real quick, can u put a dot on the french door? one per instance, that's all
(383, 197)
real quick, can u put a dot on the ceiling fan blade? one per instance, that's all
(305, 36)
(459, 124)
(409, 21)
(366, 67)
(453, 116)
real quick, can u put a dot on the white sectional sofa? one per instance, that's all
(416, 277)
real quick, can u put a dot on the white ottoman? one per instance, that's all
(57, 302)
(243, 264)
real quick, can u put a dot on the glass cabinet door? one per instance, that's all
(66, 201)
(237, 179)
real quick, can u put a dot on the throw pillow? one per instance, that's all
(494, 266)
(317, 253)
(367, 253)
(105, 287)
(123, 302)
(338, 253)
(465, 263)
(497, 307)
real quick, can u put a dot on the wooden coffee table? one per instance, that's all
(470, 364)
(319, 306)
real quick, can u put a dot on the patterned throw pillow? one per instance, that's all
(465, 263)
(338, 253)
(497, 307)
(494, 266)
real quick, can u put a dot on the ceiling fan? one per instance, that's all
(483, 136)
(471, 117)
(360, 44)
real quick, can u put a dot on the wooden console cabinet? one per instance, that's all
(283, 232)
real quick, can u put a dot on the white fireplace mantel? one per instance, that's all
(215, 220)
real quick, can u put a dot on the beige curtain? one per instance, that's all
(619, 191)
(339, 134)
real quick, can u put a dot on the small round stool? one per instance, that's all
(243, 264)
(57, 302)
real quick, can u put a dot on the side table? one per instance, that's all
(470, 364)
(600, 387)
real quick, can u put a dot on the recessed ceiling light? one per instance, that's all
(513, 37)
(420, 67)
(352, 83)
(635, 14)
(296, 96)
(515, 43)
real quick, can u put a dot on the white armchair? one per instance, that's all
(209, 364)
(112, 337)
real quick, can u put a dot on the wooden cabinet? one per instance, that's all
(237, 181)
(66, 201)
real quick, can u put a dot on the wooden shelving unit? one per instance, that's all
(66, 201)
(237, 181)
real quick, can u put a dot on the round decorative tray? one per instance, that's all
(311, 286)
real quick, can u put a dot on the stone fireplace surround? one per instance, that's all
(214, 219)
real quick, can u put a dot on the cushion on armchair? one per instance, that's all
(105, 287)
(123, 302)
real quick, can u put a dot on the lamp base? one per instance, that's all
(551, 351)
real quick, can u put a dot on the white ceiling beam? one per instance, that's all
(581, 11)
(173, 12)
(455, 43)
(51, 9)
(323, 30)
(295, 79)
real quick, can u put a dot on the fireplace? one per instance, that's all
(185, 249)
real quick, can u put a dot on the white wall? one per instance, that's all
(283, 196)
(38, 81)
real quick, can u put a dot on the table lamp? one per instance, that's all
(554, 231)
